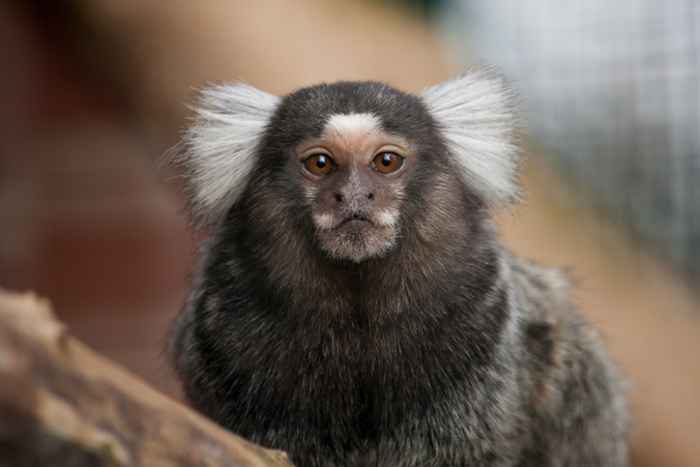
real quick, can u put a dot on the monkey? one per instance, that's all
(353, 305)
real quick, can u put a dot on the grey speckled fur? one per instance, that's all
(444, 351)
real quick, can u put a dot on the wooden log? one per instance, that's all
(63, 405)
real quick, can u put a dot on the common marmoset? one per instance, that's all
(353, 305)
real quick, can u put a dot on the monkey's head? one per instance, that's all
(352, 164)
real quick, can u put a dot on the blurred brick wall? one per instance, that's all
(86, 218)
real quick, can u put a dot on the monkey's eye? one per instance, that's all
(387, 162)
(319, 164)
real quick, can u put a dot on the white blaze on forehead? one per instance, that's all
(352, 123)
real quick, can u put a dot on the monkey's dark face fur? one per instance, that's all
(346, 158)
(353, 306)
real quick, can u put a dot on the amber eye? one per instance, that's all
(387, 162)
(319, 164)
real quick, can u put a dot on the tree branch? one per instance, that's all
(63, 405)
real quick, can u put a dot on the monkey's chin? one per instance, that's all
(357, 243)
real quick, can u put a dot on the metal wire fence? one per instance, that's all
(613, 90)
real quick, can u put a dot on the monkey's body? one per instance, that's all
(438, 350)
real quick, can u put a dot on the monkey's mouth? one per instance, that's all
(354, 221)
(356, 237)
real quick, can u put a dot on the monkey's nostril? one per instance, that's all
(370, 196)
(339, 197)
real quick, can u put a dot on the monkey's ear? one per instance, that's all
(218, 150)
(476, 114)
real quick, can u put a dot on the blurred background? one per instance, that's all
(93, 93)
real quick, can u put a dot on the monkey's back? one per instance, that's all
(576, 406)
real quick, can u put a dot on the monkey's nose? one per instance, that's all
(340, 198)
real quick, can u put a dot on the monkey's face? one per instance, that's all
(344, 162)
(353, 177)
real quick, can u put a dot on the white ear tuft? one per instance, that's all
(219, 148)
(476, 114)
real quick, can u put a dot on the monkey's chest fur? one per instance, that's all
(350, 395)
(506, 378)
(435, 385)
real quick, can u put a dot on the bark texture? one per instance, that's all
(63, 405)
